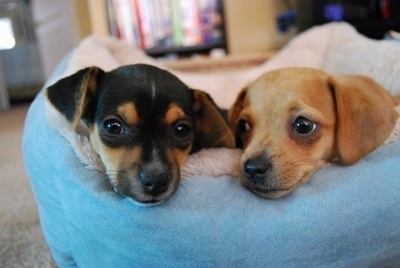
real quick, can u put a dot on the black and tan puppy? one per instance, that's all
(143, 123)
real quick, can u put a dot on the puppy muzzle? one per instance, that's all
(256, 169)
(154, 182)
(260, 177)
(148, 184)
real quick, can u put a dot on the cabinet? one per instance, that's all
(4, 102)
(56, 30)
(20, 71)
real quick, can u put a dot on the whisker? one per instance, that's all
(186, 181)
(283, 153)
(300, 161)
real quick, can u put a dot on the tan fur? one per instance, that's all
(173, 114)
(111, 157)
(129, 113)
(367, 116)
(179, 156)
(87, 90)
(354, 115)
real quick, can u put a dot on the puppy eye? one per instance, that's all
(303, 126)
(113, 126)
(182, 130)
(243, 126)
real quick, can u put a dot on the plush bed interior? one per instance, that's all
(344, 216)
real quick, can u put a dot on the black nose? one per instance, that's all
(256, 169)
(154, 182)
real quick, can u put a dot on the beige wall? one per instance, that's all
(251, 27)
(92, 17)
(82, 14)
(98, 16)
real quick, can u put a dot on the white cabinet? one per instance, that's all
(4, 103)
(57, 31)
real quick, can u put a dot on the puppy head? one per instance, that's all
(293, 120)
(143, 122)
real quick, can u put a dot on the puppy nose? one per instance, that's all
(154, 182)
(256, 169)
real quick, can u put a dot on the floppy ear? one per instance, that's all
(234, 113)
(74, 95)
(365, 116)
(212, 129)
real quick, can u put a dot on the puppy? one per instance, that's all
(292, 121)
(142, 122)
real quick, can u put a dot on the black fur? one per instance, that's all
(94, 96)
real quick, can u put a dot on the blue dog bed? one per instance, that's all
(343, 217)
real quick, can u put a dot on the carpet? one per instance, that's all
(21, 240)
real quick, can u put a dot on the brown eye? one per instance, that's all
(113, 126)
(182, 130)
(243, 126)
(303, 126)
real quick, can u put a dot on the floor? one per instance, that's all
(21, 240)
(11, 167)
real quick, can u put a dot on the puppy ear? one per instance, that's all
(365, 116)
(73, 95)
(234, 113)
(212, 129)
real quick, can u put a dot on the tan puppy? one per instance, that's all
(292, 121)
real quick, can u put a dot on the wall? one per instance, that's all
(98, 16)
(83, 18)
(251, 25)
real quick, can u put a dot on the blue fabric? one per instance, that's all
(344, 216)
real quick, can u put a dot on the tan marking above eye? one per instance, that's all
(174, 113)
(129, 113)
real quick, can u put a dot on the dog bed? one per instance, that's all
(344, 216)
